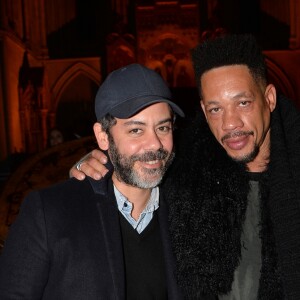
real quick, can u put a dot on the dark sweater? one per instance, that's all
(144, 264)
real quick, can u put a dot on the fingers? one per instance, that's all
(99, 155)
(94, 168)
(76, 173)
(91, 165)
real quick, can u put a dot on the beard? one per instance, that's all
(247, 157)
(124, 166)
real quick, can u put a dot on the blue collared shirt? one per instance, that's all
(125, 207)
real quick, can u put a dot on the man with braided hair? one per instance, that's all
(234, 188)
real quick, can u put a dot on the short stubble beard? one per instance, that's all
(247, 158)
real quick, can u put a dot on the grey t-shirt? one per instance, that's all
(246, 276)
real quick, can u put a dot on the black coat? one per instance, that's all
(208, 199)
(66, 244)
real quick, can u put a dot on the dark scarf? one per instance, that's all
(208, 199)
(283, 202)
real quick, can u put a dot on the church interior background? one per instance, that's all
(55, 53)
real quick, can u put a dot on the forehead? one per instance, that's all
(227, 79)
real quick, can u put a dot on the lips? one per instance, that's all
(237, 143)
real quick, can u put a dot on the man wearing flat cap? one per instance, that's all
(103, 239)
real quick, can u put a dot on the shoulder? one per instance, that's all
(70, 195)
(66, 188)
(71, 188)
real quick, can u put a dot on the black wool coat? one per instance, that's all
(66, 244)
(208, 192)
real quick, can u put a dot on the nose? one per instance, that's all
(153, 141)
(231, 120)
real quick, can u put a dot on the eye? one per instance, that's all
(214, 110)
(135, 131)
(164, 129)
(244, 103)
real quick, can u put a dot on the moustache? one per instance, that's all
(151, 155)
(236, 134)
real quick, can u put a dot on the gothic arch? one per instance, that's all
(74, 71)
(184, 74)
(168, 54)
(158, 67)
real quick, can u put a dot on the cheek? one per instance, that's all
(254, 122)
(168, 143)
(259, 129)
(215, 126)
(128, 147)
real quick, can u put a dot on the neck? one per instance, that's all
(257, 167)
(137, 196)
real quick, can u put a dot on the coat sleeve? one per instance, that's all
(24, 262)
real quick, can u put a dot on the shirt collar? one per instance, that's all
(123, 203)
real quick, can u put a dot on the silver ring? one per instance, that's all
(78, 166)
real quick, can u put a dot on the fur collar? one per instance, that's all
(208, 193)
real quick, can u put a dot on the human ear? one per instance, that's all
(270, 96)
(101, 136)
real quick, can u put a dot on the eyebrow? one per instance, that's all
(237, 96)
(136, 122)
(243, 94)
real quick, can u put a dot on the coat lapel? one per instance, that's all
(173, 289)
(110, 227)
